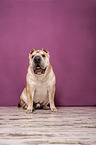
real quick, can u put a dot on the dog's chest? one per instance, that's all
(40, 92)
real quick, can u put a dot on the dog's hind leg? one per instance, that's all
(24, 99)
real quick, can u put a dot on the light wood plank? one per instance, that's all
(70, 125)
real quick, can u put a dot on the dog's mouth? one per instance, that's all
(39, 70)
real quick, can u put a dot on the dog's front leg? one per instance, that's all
(51, 99)
(30, 101)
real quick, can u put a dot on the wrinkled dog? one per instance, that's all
(40, 83)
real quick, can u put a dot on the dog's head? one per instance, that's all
(39, 61)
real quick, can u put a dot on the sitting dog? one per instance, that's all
(40, 83)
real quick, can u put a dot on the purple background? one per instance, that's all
(67, 28)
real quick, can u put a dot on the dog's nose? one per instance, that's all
(37, 59)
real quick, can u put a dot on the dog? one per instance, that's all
(40, 83)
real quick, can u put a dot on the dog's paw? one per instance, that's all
(46, 107)
(30, 109)
(54, 109)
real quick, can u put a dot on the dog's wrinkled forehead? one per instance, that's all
(42, 52)
(38, 52)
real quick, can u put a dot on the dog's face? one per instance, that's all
(39, 61)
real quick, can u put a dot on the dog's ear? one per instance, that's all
(45, 50)
(32, 51)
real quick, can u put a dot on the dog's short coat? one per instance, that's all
(40, 82)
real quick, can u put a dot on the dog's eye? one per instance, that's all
(32, 56)
(43, 55)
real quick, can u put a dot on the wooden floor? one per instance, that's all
(70, 125)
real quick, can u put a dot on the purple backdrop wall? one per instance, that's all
(67, 28)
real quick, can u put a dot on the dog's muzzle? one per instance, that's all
(38, 68)
(37, 59)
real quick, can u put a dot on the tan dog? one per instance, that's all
(40, 82)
